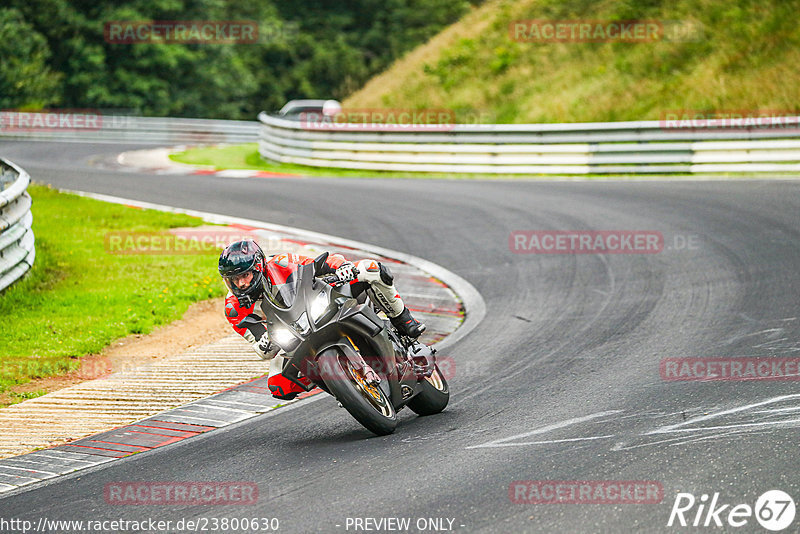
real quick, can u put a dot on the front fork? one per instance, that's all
(359, 365)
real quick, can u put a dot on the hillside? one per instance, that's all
(742, 55)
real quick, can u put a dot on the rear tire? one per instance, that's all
(434, 396)
(368, 405)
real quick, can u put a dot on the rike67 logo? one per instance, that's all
(774, 510)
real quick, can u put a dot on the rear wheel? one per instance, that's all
(365, 401)
(434, 396)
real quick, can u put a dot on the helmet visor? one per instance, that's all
(240, 283)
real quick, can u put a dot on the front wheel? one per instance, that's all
(366, 402)
(434, 396)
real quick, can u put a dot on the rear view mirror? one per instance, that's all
(319, 261)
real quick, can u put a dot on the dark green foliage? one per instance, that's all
(25, 78)
(54, 53)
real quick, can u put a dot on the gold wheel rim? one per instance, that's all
(436, 380)
(371, 392)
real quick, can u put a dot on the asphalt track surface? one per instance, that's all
(567, 356)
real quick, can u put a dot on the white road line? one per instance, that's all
(780, 410)
(202, 403)
(789, 423)
(175, 413)
(545, 442)
(26, 469)
(59, 457)
(544, 429)
(677, 427)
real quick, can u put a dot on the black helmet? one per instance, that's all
(237, 260)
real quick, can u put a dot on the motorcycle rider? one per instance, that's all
(243, 267)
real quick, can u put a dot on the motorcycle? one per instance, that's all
(341, 345)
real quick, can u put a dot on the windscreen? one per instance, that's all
(281, 288)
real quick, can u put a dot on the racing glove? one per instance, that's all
(265, 348)
(346, 272)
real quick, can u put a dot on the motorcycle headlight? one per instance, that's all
(282, 337)
(319, 306)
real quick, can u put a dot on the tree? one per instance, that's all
(26, 81)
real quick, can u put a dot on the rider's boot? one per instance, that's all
(381, 282)
(407, 325)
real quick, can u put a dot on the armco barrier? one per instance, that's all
(90, 127)
(580, 148)
(17, 250)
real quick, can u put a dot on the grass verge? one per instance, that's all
(78, 297)
(246, 156)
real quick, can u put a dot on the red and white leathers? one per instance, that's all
(372, 275)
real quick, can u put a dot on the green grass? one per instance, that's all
(230, 157)
(78, 298)
(246, 156)
(28, 394)
(744, 57)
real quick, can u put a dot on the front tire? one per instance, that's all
(434, 396)
(367, 404)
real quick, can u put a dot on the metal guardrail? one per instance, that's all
(99, 128)
(581, 148)
(17, 250)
